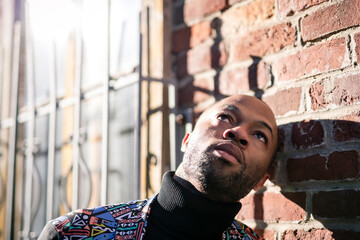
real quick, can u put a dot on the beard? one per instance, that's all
(217, 184)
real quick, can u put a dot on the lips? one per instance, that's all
(229, 152)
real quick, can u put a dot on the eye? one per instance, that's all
(261, 136)
(224, 117)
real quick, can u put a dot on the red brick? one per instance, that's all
(347, 128)
(337, 204)
(338, 165)
(236, 80)
(288, 7)
(357, 47)
(331, 19)
(312, 234)
(273, 207)
(181, 39)
(196, 91)
(244, 16)
(194, 9)
(313, 60)
(181, 65)
(186, 37)
(204, 57)
(347, 90)
(281, 139)
(342, 165)
(198, 59)
(307, 134)
(262, 42)
(219, 55)
(318, 96)
(284, 101)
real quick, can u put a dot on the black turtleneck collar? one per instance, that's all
(181, 212)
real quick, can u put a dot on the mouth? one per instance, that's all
(229, 152)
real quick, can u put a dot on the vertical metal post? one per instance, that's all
(13, 131)
(172, 125)
(77, 109)
(137, 163)
(105, 118)
(29, 153)
(52, 132)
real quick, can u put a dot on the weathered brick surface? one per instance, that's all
(316, 45)
(288, 7)
(337, 204)
(338, 165)
(312, 234)
(181, 65)
(357, 48)
(189, 37)
(236, 19)
(313, 60)
(307, 134)
(201, 58)
(273, 207)
(347, 90)
(194, 9)
(262, 42)
(347, 128)
(333, 18)
(292, 98)
(318, 95)
(196, 91)
(241, 79)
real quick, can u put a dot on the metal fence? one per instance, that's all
(71, 137)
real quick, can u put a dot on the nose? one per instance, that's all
(237, 134)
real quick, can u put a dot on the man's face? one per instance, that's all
(231, 147)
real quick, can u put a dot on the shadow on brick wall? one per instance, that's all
(318, 172)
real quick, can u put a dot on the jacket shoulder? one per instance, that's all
(103, 220)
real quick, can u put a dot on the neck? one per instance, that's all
(181, 206)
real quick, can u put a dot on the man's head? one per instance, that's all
(230, 149)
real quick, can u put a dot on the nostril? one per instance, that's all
(231, 135)
(243, 142)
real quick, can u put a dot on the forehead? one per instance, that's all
(248, 106)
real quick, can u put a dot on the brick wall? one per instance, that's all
(301, 57)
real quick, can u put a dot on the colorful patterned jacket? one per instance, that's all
(121, 221)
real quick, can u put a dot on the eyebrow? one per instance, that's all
(237, 111)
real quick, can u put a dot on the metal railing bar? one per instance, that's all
(45, 109)
(105, 118)
(125, 81)
(29, 153)
(172, 125)
(77, 109)
(13, 131)
(162, 80)
(124, 74)
(137, 162)
(52, 133)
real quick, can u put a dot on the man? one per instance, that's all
(228, 154)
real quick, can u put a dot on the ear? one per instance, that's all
(185, 141)
(261, 182)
